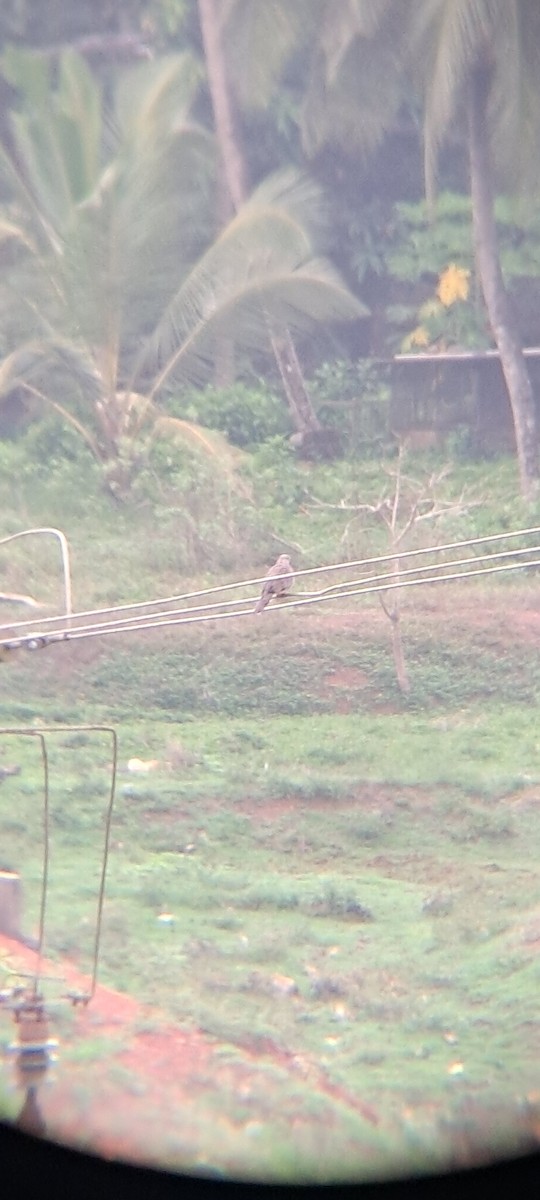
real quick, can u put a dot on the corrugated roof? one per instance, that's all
(460, 356)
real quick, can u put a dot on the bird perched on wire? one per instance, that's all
(278, 582)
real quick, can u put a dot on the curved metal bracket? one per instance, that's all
(41, 734)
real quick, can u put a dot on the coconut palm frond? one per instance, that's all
(259, 39)
(515, 101)
(212, 443)
(210, 440)
(356, 81)
(300, 300)
(294, 194)
(34, 368)
(446, 39)
(130, 242)
(78, 111)
(84, 432)
(129, 291)
(35, 362)
(19, 183)
(21, 365)
(56, 138)
(261, 248)
(10, 232)
(155, 96)
(344, 25)
(367, 80)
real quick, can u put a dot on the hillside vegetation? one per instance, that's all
(312, 862)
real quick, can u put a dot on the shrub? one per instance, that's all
(353, 399)
(248, 415)
(276, 477)
(201, 508)
(331, 901)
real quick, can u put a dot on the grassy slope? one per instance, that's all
(304, 822)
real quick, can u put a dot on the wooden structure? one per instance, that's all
(440, 392)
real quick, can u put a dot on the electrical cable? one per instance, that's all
(166, 621)
(197, 613)
(347, 565)
(146, 618)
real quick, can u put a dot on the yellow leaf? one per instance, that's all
(453, 284)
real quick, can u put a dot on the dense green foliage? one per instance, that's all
(249, 415)
(115, 289)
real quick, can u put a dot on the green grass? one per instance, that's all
(394, 904)
(305, 821)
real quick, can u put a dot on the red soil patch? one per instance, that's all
(89, 1103)
(347, 677)
(126, 1077)
(372, 797)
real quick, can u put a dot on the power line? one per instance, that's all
(168, 620)
(148, 619)
(329, 567)
(361, 591)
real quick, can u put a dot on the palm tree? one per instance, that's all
(472, 61)
(271, 33)
(118, 290)
(484, 56)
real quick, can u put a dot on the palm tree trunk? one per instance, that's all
(231, 167)
(299, 399)
(235, 176)
(501, 317)
(226, 132)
